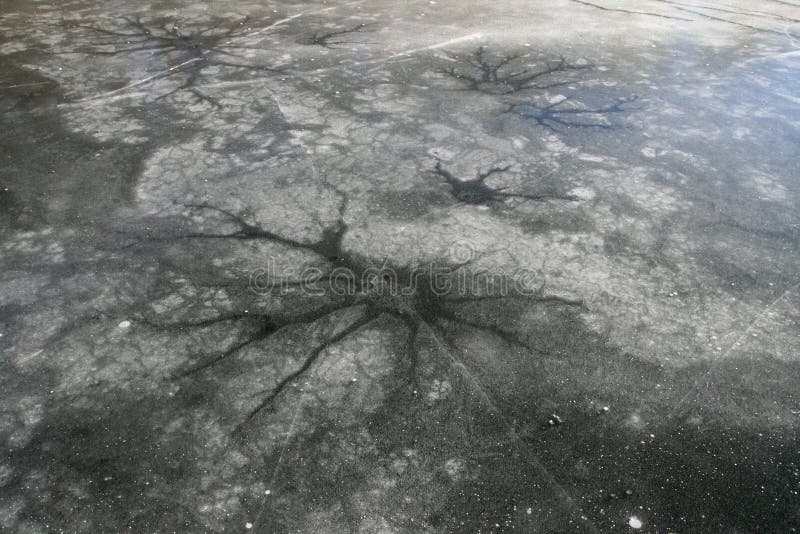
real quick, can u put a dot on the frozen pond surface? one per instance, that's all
(374, 266)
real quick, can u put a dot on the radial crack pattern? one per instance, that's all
(383, 288)
(557, 116)
(476, 191)
(505, 74)
(188, 52)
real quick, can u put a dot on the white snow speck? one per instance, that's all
(635, 522)
(248, 526)
(124, 324)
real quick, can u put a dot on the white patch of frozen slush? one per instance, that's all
(583, 193)
(441, 153)
(590, 157)
(519, 142)
(635, 421)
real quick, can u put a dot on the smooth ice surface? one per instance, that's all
(374, 266)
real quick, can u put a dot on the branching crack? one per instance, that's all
(312, 357)
(411, 296)
(476, 191)
(188, 53)
(502, 75)
(556, 116)
(336, 38)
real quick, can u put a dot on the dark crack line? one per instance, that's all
(269, 326)
(749, 13)
(313, 356)
(508, 337)
(412, 351)
(189, 86)
(549, 299)
(728, 21)
(618, 10)
(246, 232)
(685, 8)
(264, 332)
(785, 3)
(196, 324)
(539, 197)
(330, 39)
